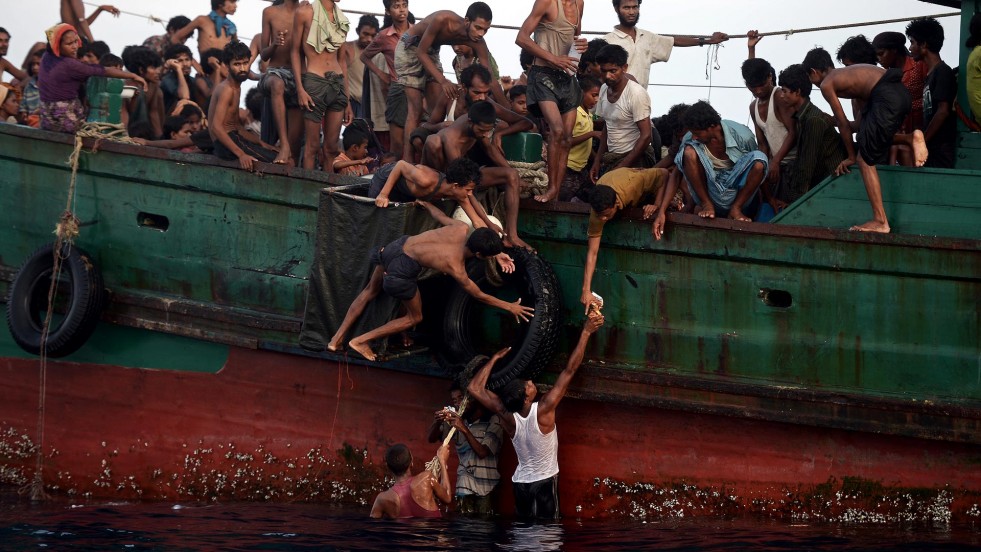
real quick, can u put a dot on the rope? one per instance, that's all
(433, 466)
(65, 233)
(149, 18)
(711, 65)
(534, 176)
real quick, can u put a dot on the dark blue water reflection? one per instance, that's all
(60, 525)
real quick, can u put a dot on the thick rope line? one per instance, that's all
(433, 466)
(149, 18)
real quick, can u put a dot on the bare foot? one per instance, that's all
(736, 214)
(514, 241)
(335, 346)
(362, 349)
(407, 341)
(548, 196)
(284, 156)
(705, 211)
(872, 226)
(920, 152)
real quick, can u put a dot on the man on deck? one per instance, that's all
(282, 119)
(351, 58)
(73, 13)
(398, 265)
(215, 30)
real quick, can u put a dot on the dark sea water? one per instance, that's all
(61, 525)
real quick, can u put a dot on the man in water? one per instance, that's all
(399, 264)
(412, 496)
(531, 426)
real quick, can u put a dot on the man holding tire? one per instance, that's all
(531, 426)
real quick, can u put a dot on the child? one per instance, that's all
(519, 104)
(353, 161)
(61, 76)
(885, 103)
(577, 184)
(9, 104)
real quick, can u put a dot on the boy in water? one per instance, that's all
(880, 102)
(231, 139)
(413, 496)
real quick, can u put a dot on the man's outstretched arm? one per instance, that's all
(478, 390)
(551, 399)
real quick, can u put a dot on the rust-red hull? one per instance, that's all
(271, 425)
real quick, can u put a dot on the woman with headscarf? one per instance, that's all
(62, 76)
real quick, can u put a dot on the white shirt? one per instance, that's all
(537, 452)
(649, 48)
(633, 105)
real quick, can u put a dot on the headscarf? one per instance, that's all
(55, 34)
(890, 41)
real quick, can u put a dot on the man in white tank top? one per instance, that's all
(776, 133)
(531, 426)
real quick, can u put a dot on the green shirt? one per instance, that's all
(634, 187)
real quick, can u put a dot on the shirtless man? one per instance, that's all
(530, 423)
(398, 264)
(278, 83)
(5, 64)
(417, 59)
(215, 30)
(880, 102)
(351, 59)
(321, 90)
(73, 13)
(553, 91)
(231, 139)
(412, 496)
(477, 128)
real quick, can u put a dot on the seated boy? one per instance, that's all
(618, 189)
(353, 161)
(577, 182)
(721, 164)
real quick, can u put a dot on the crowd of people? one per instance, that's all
(381, 106)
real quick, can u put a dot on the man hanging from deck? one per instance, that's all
(73, 13)
(413, 496)
(282, 119)
(320, 30)
(398, 265)
(530, 424)
(880, 102)
(215, 30)
(553, 92)
(417, 59)
(473, 135)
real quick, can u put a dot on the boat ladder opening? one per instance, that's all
(777, 298)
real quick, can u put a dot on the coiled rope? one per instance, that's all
(533, 176)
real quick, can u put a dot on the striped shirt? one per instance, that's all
(819, 151)
(475, 475)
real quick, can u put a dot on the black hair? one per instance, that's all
(215, 4)
(367, 21)
(111, 60)
(398, 458)
(526, 59)
(475, 70)
(587, 83)
(177, 23)
(927, 30)
(701, 116)
(83, 51)
(253, 102)
(975, 29)
(512, 395)
(4, 31)
(388, 21)
(755, 71)
(857, 49)
(479, 10)
(235, 50)
(482, 112)
(794, 78)
(669, 125)
(616, 4)
(602, 198)
(140, 129)
(353, 137)
(99, 48)
(818, 59)
(589, 56)
(211, 53)
(175, 50)
(517, 90)
(612, 53)
(485, 242)
(171, 125)
(189, 109)
(138, 59)
(462, 171)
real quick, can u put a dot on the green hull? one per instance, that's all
(794, 323)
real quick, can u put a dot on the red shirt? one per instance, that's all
(914, 79)
(385, 42)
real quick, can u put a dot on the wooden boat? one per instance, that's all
(792, 368)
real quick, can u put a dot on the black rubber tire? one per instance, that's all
(536, 348)
(28, 299)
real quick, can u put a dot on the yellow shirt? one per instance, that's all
(633, 187)
(579, 154)
(974, 82)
